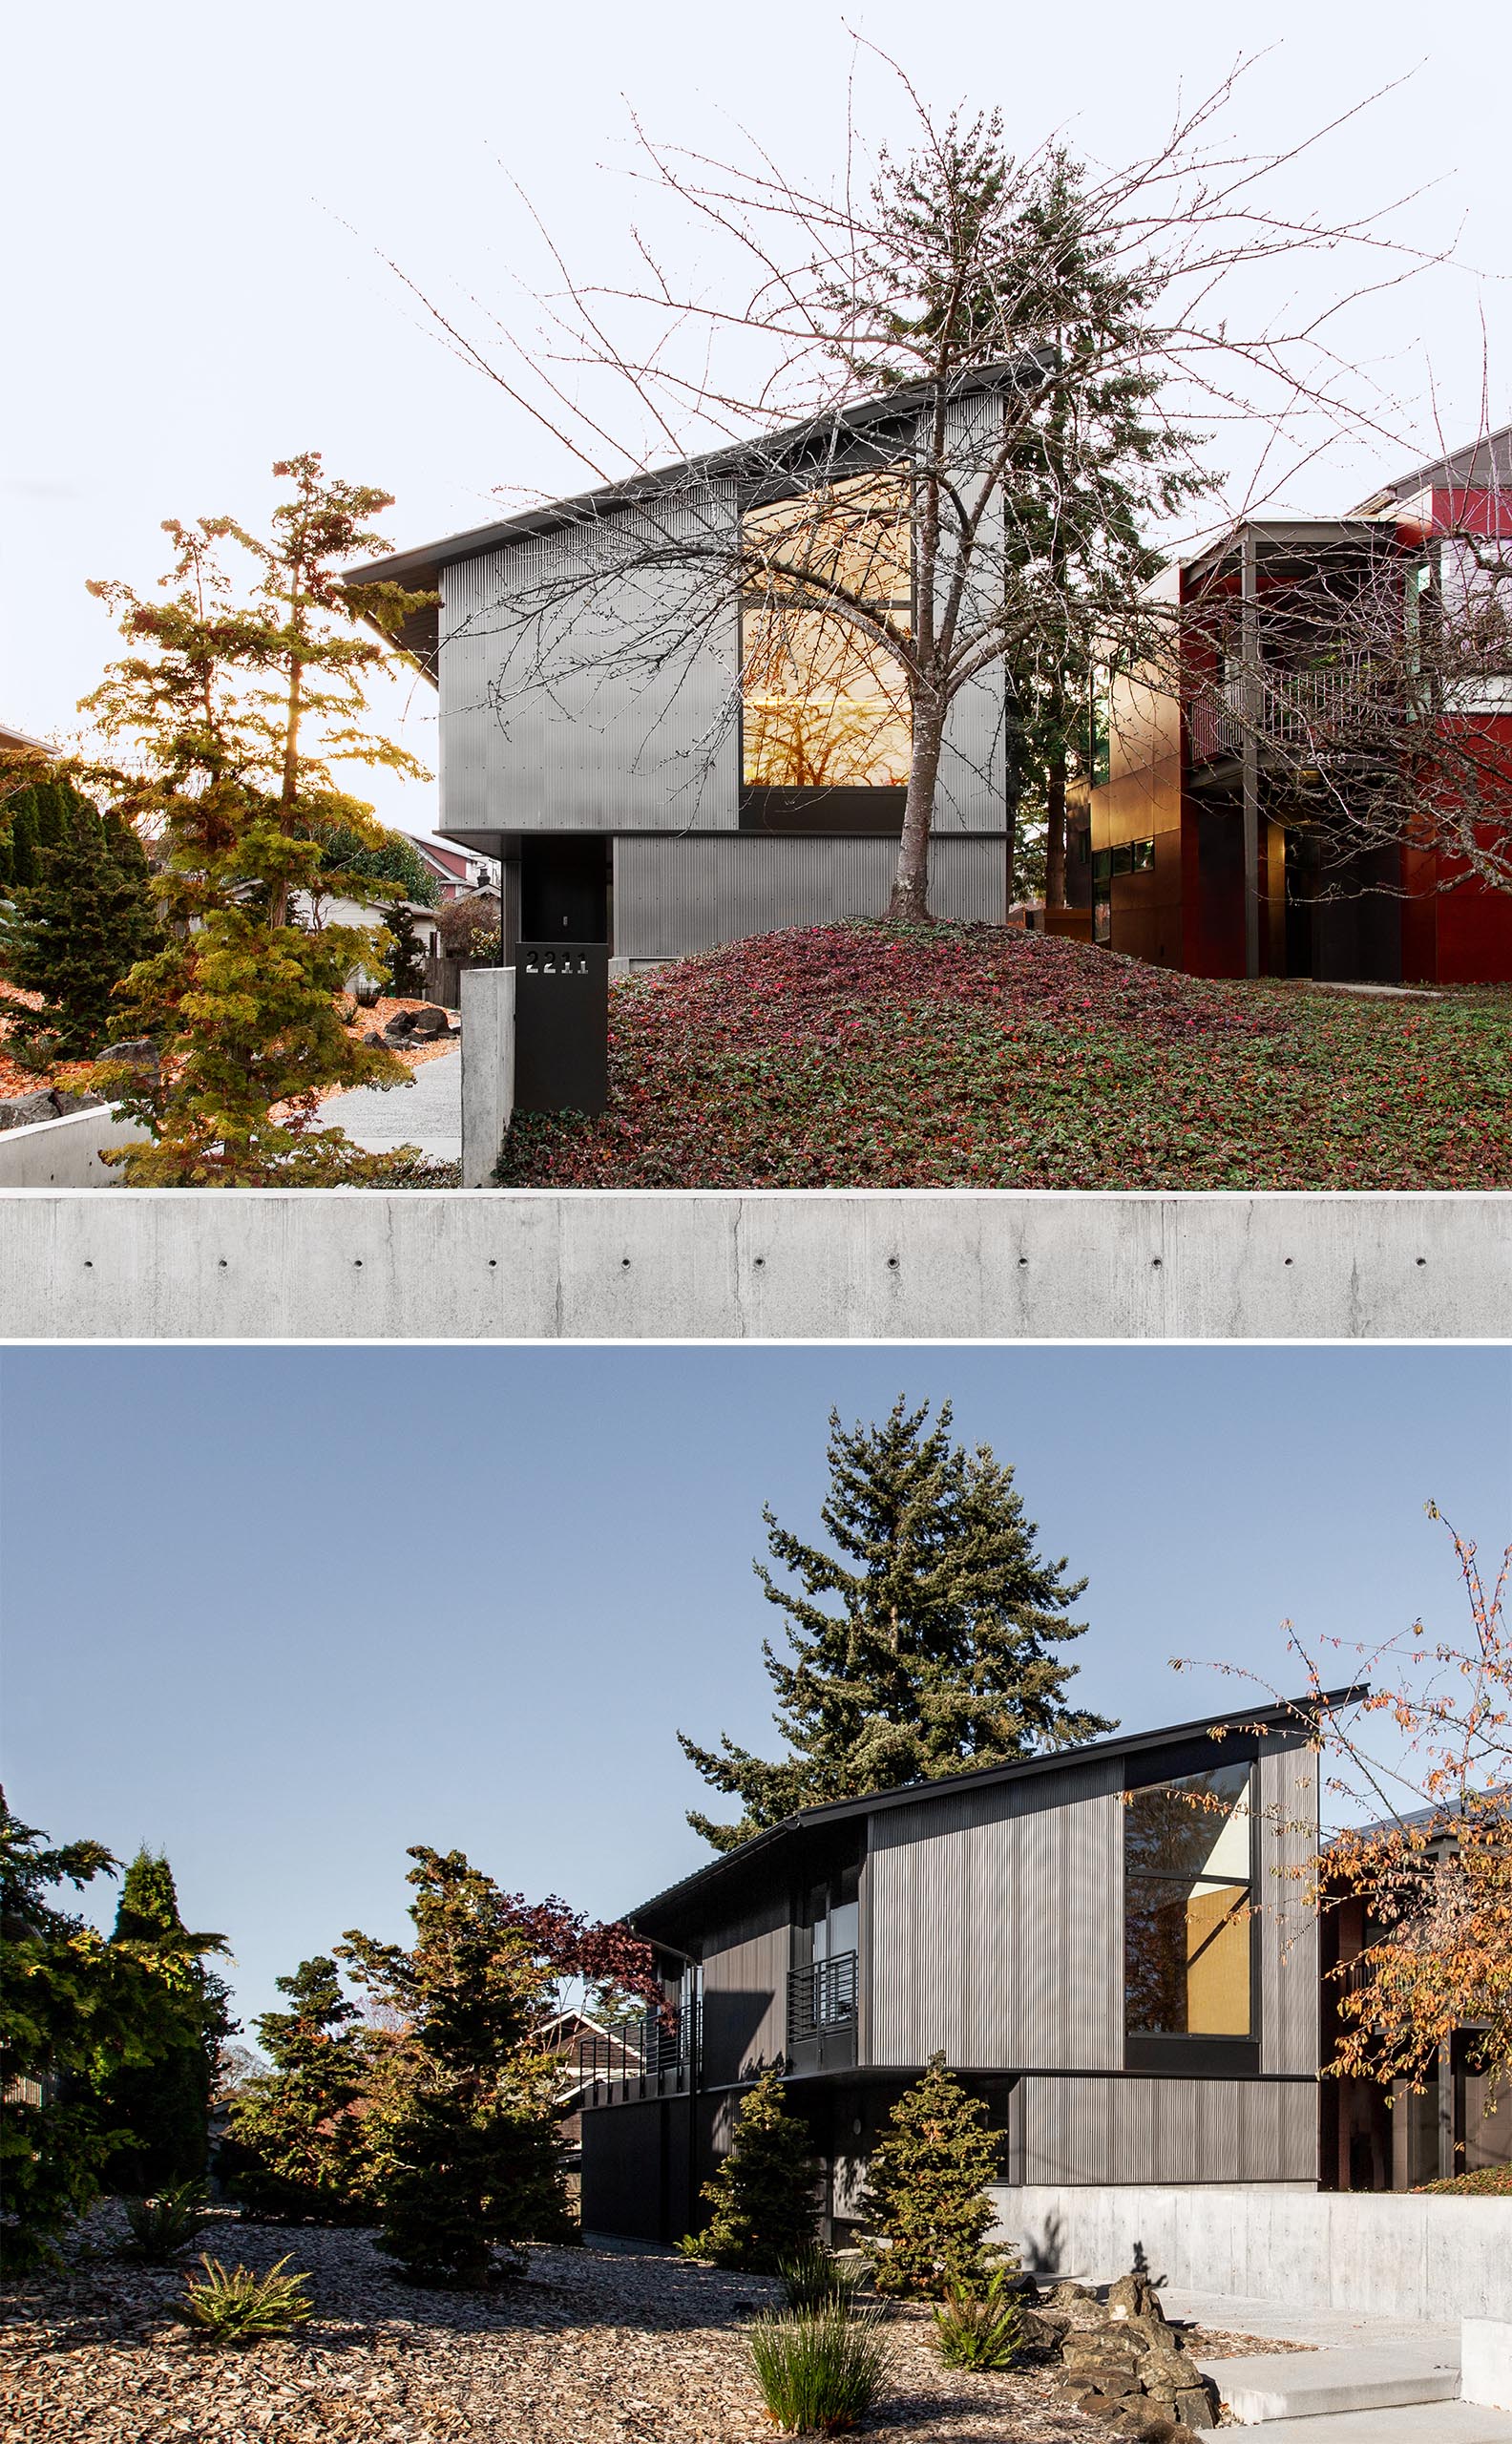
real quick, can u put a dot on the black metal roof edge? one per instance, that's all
(1288, 1713)
(424, 561)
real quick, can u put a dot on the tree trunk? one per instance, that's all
(1056, 829)
(910, 901)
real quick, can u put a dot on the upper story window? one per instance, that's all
(823, 703)
(1189, 1873)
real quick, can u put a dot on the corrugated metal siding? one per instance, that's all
(672, 897)
(580, 694)
(997, 1918)
(1289, 1934)
(1160, 2130)
(745, 1997)
(974, 772)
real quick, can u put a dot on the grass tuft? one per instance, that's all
(819, 2372)
(980, 2329)
(162, 2225)
(813, 2278)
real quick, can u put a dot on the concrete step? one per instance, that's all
(1419, 2423)
(1290, 2385)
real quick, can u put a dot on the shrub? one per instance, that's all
(980, 2328)
(162, 2226)
(470, 928)
(233, 2312)
(763, 2195)
(925, 2183)
(819, 2372)
(812, 2278)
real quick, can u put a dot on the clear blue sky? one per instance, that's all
(284, 1612)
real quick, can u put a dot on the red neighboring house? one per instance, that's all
(1193, 861)
(459, 871)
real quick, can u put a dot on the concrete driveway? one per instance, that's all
(428, 1114)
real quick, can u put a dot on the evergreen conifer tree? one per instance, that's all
(926, 2208)
(463, 2121)
(164, 2106)
(297, 2146)
(406, 973)
(765, 2195)
(942, 1656)
(80, 924)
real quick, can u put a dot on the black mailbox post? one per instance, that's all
(561, 1026)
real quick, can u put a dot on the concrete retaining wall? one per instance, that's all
(876, 1265)
(488, 1069)
(1485, 2359)
(66, 1153)
(1436, 2259)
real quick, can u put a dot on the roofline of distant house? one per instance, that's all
(421, 565)
(20, 741)
(1454, 467)
(1290, 1713)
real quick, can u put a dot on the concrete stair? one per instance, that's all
(1289, 2387)
(1409, 2423)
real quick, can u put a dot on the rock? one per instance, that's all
(1065, 2295)
(373, 1037)
(1134, 2295)
(138, 1052)
(49, 1103)
(400, 1024)
(1195, 2407)
(1044, 2332)
(429, 1021)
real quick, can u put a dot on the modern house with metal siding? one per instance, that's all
(1110, 1946)
(619, 734)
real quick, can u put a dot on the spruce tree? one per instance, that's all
(79, 926)
(925, 2207)
(164, 2106)
(463, 2118)
(296, 2146)
(765, 2195)
(942, 1656)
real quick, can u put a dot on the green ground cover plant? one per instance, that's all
(980, 2325)
(162, 2225)
(231, 2311)
(978, 1057)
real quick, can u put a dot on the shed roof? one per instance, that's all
(1293, 1715)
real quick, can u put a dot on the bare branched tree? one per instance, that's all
(927, 425)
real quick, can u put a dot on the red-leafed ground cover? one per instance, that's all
(858, 1055)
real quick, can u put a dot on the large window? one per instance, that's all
(1186, 1907)
(824, 704)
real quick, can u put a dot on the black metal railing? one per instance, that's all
(822, 1997)
(659, 2045)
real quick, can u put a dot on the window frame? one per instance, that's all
(1180, 2052)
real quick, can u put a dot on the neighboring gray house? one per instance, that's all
(1112, 1946)
(661, 765)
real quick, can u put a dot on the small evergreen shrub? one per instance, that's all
(926, 2202)
(980, 2328)
(819, 2372)
(162, 2226)
(232, 2311)
(765, 2195)
(812, 2278)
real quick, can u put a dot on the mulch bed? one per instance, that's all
(857, 1055)
(590, 2348)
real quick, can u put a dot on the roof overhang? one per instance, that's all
(1293, 1719)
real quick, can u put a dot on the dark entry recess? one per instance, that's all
(564, 890)
(561, 1026)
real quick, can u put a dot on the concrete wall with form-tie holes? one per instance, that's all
(774, 1264)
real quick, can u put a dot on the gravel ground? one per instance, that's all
(589, 2349)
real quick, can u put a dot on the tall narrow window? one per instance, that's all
(823, 704)
(1187, 1906)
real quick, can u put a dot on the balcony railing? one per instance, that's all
(642, 2054)
(822, 2014)
(1306, 709)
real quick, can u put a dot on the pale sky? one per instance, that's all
(197, 203)
(284, 1612)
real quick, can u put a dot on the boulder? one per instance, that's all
(1043, 2331)
(49, 1103)
(373, 1037)
(1195, 2407)
(1067, 2295)
(429, 1021)
(136, 1052)
(1134, 2295)
(399, 1025)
